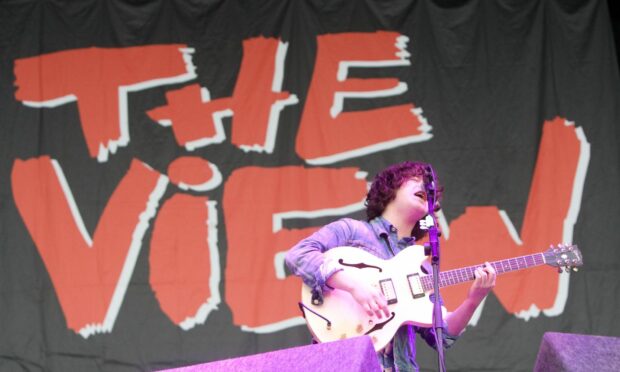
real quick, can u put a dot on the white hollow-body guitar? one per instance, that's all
(406, 288)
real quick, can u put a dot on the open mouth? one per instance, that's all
(421, 195)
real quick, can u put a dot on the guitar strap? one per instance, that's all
(386, 238)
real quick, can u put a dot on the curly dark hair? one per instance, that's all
(386, 183)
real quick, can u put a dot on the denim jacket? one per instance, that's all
(377, 237)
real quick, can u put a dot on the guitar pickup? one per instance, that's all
(387, 287)
(415, 285)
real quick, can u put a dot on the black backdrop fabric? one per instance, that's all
(276, 114)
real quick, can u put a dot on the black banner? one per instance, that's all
(158, 158)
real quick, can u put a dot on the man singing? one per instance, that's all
(395, 204)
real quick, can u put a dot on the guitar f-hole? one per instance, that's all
(360, 265)
(379, 326)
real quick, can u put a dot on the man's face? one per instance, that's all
(411, 199)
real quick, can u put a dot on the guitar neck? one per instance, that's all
(458, 276)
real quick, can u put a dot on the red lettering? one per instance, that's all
(184, 260)
(255, 105)
(99, 80)
(195, 173)
(555, 196)
(326, 134)
(256, 201)
(258, 97)
(187, 110)
(90, 276)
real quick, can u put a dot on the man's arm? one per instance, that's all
(306, 258)
(484, 282)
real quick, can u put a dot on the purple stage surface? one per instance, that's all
(354, 354)
(573, 352)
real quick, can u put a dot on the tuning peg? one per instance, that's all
(567, 269)
(575, 269)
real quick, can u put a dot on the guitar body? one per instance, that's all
(399, 278)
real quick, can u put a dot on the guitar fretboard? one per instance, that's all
(457, 276)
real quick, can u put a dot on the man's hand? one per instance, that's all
(484, 282)
(370, 298)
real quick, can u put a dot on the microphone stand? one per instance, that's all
(433, 246)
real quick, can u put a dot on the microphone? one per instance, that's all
(429, 180)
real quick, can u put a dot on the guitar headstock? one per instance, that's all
(564, 257)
